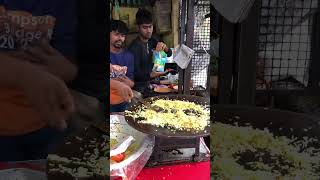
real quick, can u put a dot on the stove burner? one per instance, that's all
(174, 151)
(169, 151)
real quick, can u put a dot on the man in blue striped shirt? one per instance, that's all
(121, 59)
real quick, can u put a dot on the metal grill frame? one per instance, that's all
(237, 70)
(284, 44)
(201, 45)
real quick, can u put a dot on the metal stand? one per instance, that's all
(178, 150)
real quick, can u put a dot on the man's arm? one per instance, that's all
(48, 94)
(161, 46)
(58, 56)
(53, 61)
(125, 80)
(167, 50)
(10, 71)
(124, 90)
(158, 74)
(50, 60)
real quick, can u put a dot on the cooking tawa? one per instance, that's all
(165, 132)
(279, 122)
(71, 148)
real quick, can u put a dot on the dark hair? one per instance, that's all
(117, 25)
(143, 16)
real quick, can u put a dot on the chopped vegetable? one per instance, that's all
(176, 114)
(94, 161)
(118, 158)
(248, 153)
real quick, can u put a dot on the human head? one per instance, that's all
(118, 31)
(144, 24)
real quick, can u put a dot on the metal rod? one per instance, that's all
(247, 58)
(189, 43)
(314, 80)
(183, 6)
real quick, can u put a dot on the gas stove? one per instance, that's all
(170, 151)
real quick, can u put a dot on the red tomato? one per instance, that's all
(118, 158)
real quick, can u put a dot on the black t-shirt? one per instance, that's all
(143, 62)
(92, 54)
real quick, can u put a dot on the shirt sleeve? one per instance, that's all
(138, 75)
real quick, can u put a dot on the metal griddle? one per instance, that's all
(165, 132)
(167, 140)
(73, 149)
(279, 122)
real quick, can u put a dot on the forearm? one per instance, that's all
(156, 74)
(65, 70)
(12, 71)
(125, 81)
(129, 83)
(62, 68)
(114, 84)
(118, 85)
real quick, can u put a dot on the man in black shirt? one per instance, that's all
(142, 48)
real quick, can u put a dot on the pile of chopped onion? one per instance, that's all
(173, 115)
(229, 142)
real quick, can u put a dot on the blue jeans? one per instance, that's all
(118, 107)
(32, 146)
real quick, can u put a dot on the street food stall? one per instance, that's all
(173, 119)
(147, 150)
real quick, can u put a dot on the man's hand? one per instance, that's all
(124, 90)
(158, 74)
(22, 55)
(161, 47)
(126, 93)
(43, 54)
(125, 80)
(168, 70)
(48, 94)
(45, 92)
